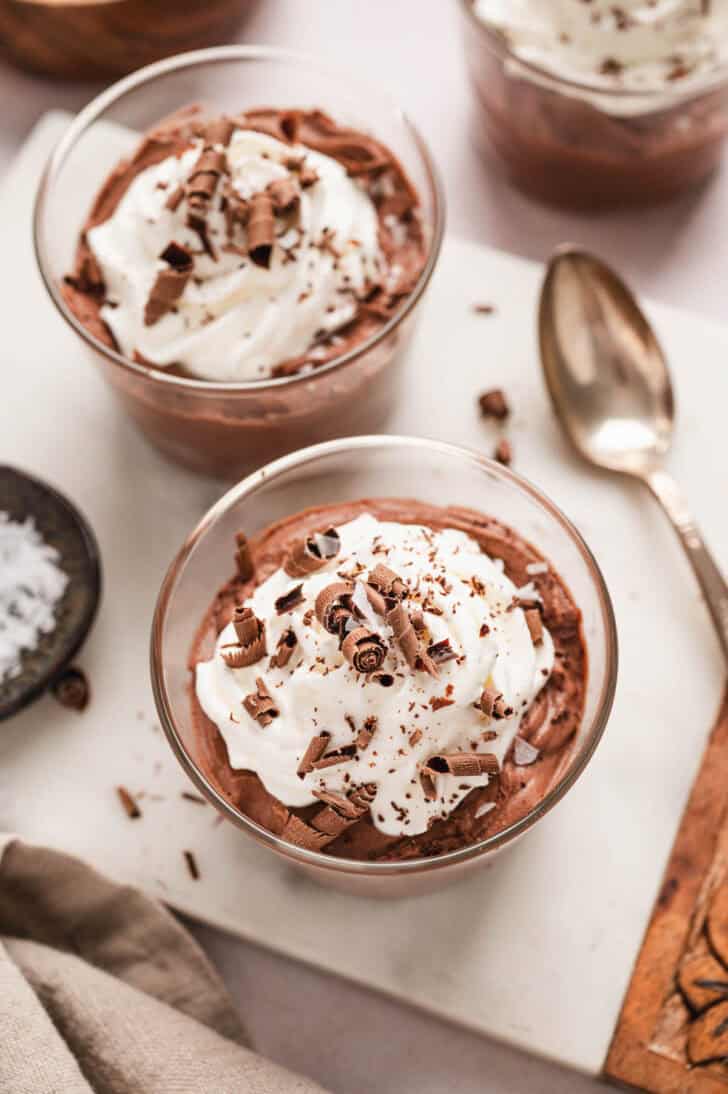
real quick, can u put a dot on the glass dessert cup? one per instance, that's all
(572, 145)
(343, 470)
(227, 429)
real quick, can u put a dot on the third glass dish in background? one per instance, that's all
(326, 312)
(597, 106)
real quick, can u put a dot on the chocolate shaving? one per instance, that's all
(339, 803)
(493, 404)
(415, 738)
(131, 808)
(384, 678)
(438, 702)
(261, 230)
(364, 650)
(364, 736)
(219, 131)
(243, 557)
(330, 821)
(306, 556)
(190, 797)
(289, 600)
(441, 652)
(535, 626)
(284, 650)
(463, 764)
(408, 641)
(192, 865)
(260, 705)
(71, 689)
(503, 452)
(490, 702)
(251, 646)
(428, 785)
(338, 756)
(333, 607)
(203, 180)
(169, 284)
(300, 834)
(363, 796)
(387, 583)
(284, 194)
(314, 751)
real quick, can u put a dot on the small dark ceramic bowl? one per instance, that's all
(63, 527)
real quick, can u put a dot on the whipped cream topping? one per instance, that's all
(235, 320)
(638, 45)
(417, 716)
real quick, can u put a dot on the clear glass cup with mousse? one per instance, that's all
(226, 429)
(344, 470)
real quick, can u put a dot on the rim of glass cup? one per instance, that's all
(650, 98)
(307, 457)
(219, 55)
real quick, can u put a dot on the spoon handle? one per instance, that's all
(710, 579)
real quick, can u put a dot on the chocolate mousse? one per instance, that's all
(598, 104)
(387, 679)
(243, 248)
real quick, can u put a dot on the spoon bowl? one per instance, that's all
(604, 367)
(608, 380)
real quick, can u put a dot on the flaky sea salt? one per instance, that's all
(31, 584)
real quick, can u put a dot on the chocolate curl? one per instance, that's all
(243, 557)
(441, 652)
(289, 600)
(492, 703)
(169, 284)
(333, 607)
(376, 600)
(284, 650)
(364, 650)
(203, 181)
(463, 764)
(284, 194)
(259, 704)
(339, 756)
(338, 802)
(219, 131)
(309, 555)
(314, 751)
(406, 637)
(300, 834)
(427, 782)
(363, 796)
(535, 625)
(387, 583)
(364, 736)
(251, 640)
(261, 230)
(330, 822)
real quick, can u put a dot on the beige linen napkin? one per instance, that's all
(102, 991)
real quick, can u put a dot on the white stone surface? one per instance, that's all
(537, 950)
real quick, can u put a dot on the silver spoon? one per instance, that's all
(608, 381)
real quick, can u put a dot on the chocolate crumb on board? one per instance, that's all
(131, 807)
(190, 797)
(503, 452)
(71, 689)
(192, 866)
(493, 404)
(484, 309)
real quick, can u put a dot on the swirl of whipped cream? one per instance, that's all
(417, 716)
(236, 320)
(639, 45)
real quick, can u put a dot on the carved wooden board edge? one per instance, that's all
(672, 1033)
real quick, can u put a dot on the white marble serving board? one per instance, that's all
(537, 949)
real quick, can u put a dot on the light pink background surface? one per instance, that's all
(347, 1038)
